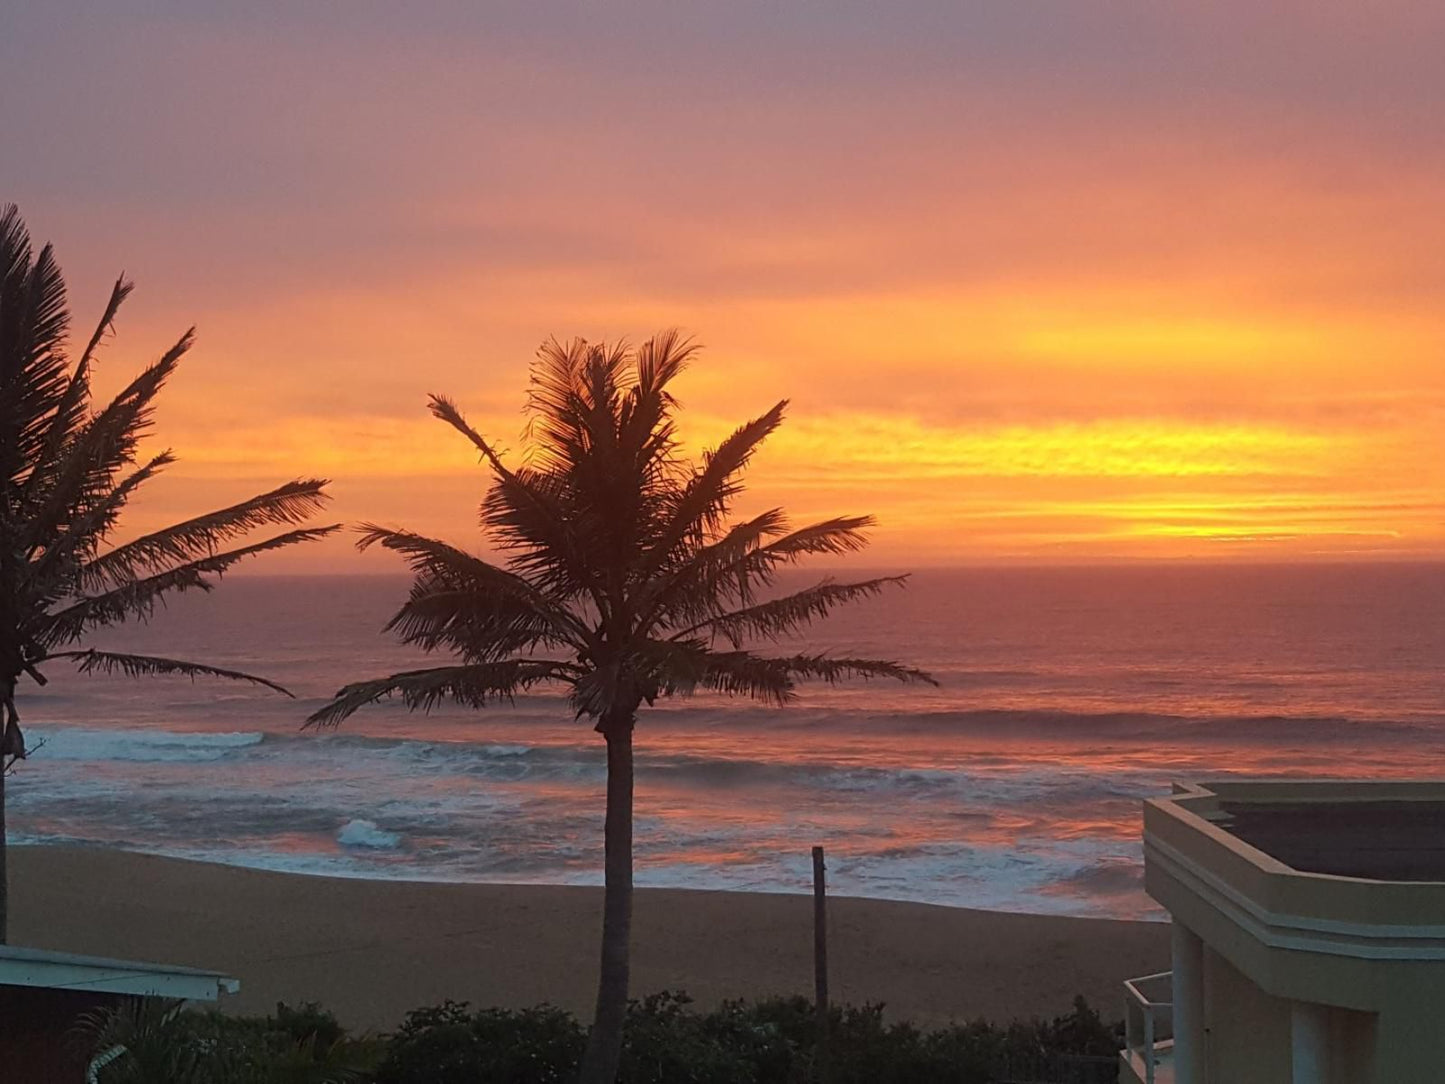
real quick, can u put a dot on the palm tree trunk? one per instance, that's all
(604, 1043)
(6, 709)
(4, 868)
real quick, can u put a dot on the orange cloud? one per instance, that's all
(1092, 284)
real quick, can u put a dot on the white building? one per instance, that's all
(1309, 936)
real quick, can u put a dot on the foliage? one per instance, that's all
(773, 1041)
(623, 578)
(448, 1045)
(68, 469)
(165, 1045)
(663, 1042)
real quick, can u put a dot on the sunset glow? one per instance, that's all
(1169, 294)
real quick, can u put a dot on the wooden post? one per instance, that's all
(820, 960)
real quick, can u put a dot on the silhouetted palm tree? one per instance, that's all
(621, 574)
(67, 471)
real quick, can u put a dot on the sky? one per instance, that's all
(1044, 282)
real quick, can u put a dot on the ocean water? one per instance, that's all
(1067, 696)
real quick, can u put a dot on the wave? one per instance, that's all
(981, 739)
(85, 743)
(1063, 725)
(365, 833)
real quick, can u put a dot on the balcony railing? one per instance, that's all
(1149, 1027)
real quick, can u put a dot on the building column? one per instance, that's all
(1188, 952)
(1309, 1043)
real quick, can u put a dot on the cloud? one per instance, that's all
(985, 245)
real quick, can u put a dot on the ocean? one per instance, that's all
(1066, 697)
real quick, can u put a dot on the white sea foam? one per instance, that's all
(364, 833)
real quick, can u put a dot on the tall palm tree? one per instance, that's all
(621, 575)
(67, 471)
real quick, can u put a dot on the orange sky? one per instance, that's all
(1059, 282)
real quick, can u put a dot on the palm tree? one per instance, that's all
(621, 574)
(67, 471)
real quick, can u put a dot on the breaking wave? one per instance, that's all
(365, 833)
(165, 746)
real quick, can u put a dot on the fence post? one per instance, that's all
(820, 962)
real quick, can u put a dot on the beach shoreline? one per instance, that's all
(370, 950)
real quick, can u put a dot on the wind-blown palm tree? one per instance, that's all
(67, 471)
(621, 575)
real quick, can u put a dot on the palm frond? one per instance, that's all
(475, 685)
(574, 398)
(464, 602)
(58, 571)
(118, 293)
(740, 673)
(90, 661)
(833, 670)
(774, 679)
(293, 502)
(104, 446)
(529, 521)
(836, 536)
(729, 572)
(703, 501)
(33, 325)
(69, 414)
(442, 407)
(697, 587)
(661, 359)
(645, 424)
(645, 421)
(790, 614)
(136, 599)
(584, 447)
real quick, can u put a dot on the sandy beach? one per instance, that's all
(371, 950)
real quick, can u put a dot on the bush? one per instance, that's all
(664, 1042)
(448, 1045)
(307, 1023)
(164, 1043)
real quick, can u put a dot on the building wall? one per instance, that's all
(1248, 1036)
(1247, 1032)
(37, 1040)
(1410, 1039)
(1352, 1047)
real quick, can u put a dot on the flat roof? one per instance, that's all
(1379, 840)
(66, 971)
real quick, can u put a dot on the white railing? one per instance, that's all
(1148, 1023)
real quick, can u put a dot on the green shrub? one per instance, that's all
(448, 1045)
(165, 1044)
(308, 1022)
(665, 1042)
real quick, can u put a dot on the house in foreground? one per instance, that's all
(1309, 936)
(43, 994)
